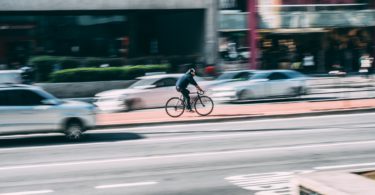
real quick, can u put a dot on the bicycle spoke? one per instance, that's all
(175, 107)
(204, 105)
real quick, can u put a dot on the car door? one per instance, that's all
(26, 112)
(165, 88)
(8, 120)
(12, 113)
(277, 84)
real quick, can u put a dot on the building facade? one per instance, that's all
(133, 29)
(335, 32)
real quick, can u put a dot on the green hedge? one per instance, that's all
(106, 74)
(45, 65)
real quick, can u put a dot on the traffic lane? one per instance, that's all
(186, 144)
(202, 171)
(219, 137)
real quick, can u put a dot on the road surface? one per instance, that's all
(245, 157)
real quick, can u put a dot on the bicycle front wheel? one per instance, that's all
(175, 107)
(203, 105)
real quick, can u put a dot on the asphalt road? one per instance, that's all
(245, 157)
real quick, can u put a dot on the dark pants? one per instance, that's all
(186, 95)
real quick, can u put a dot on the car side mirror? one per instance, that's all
(50, 102)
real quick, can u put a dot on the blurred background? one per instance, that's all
(275, 70)
(312, 36)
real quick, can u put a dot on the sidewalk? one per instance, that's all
(233, 112)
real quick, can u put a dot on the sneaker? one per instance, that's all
(191, 111)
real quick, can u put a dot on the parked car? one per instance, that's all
(148, 92)
(26, 109)
(263, 84)
(11, 76)
(243, 54)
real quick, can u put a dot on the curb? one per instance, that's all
(242, 118)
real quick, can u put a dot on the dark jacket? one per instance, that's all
(185, 80)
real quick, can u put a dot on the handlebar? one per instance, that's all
(200, 92)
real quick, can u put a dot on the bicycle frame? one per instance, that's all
(192, 100)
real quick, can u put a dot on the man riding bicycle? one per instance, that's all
(183, 83)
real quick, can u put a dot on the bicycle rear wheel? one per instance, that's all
(175, 107)
(203, 105)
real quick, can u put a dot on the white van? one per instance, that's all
(11, 76)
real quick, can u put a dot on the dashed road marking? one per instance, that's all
(29, 192)
(123, 185)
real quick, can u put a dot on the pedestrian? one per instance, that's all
(365, 62)
(308, 63)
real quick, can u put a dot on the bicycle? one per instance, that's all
(203, 105)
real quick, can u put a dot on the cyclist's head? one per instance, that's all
(191, 71)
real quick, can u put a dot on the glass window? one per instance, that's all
(277, 76)
(22, 98)
(243, 76)
(170, 82)
(166, 82)
(3, 99)
(143, 82)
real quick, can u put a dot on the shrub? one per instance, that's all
(105, 74)
(44, 66)
(68, 62)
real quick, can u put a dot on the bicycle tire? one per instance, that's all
(175, 103)
(203, 100)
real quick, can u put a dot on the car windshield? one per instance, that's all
(47, 95)
(143, 82)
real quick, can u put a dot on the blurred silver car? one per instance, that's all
(11, 76)
(262, 84)
(148, 92)
(27, 109)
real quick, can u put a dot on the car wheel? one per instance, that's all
(133, 104)
(74, 130)
(244, 95)
(296, 91)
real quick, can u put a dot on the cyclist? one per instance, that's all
(183, 83)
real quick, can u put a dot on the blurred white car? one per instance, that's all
(148, 92)
(26, 109)
(262, 84)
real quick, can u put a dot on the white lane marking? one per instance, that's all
(345, 166)
(204, 154)
(29, 192)
(273, 183)
(122, 185)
